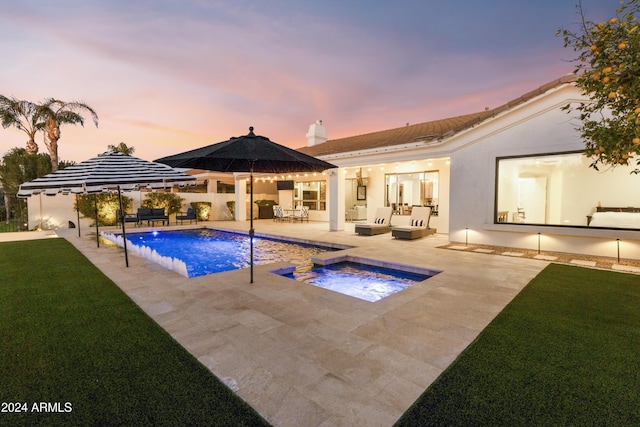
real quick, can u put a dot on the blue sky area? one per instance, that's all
(166, 76)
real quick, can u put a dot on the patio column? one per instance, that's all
(336, 200)
(241, 199)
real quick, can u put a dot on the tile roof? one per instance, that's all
(428, 131)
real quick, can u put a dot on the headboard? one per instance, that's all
(610, 209)
(630, 221)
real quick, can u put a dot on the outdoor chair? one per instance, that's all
(301, 214)
(126, 218)
(278, 214)
(190, 215)
(381, 223)
(418, 225)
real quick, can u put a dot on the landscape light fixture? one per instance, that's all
(538, 243)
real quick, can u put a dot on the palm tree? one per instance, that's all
(122, 148)
(24, 115)
(56, 113)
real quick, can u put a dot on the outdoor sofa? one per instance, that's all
(381, 223)
(151, 215)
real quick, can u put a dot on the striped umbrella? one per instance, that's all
(110, 171)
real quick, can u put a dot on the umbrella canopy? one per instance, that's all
(250, 153)
(109, 171)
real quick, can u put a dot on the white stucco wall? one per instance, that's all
(537, 127)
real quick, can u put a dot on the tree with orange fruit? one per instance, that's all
(608, 69)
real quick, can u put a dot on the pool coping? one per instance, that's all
(333, 257)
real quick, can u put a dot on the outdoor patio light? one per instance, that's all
(538, 243)
(618, 244)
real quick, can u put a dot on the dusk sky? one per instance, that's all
(167, 76)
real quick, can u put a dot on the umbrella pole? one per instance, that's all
(78, 212)
(251, 231)
(124, 233)
(95, 204)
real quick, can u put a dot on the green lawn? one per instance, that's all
(565, 351)
(69, 337)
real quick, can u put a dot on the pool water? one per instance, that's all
(368, 282)
(205, 251)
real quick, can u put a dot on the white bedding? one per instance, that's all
(615, 219)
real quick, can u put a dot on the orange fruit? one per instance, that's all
(593, 48)
(622, 45)
(637, 110)
(636, 141)
(625, 156)
(612, 95)
(607, 70)
(613, 21)
(606, 79)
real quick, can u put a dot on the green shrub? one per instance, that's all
(171, 202)
(108, 204)
(202, 210)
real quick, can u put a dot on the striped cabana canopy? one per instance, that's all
(106, 172)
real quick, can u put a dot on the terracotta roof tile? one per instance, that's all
(428, 131)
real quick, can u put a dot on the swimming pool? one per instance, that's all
(205, 251)
(365, 281)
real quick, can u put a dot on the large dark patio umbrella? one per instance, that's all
(250, 153)
(110, 171)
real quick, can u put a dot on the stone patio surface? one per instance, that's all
(306, 356)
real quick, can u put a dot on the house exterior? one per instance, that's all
(510, 176)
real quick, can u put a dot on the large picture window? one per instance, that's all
(311, 194)
(405, 190)
(561, 189)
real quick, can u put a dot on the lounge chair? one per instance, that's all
(418, 225)
(190, 215)
(381, 223)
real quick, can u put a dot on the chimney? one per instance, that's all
(317, 134)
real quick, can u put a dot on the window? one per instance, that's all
(561, 189)
(405, 190)
(311, 194)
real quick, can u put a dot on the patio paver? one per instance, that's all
(302, 355)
